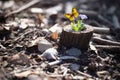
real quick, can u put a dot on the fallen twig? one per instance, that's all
(84, 74)
(54, 63)
(71, 77)
(33, 2)
(104, 41)
(1, 46)
(22, 36)
(68, 58)
(109, 48)
(100, 30)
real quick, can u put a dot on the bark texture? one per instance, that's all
(77, 39)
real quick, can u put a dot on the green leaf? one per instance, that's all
(72, 25)
(77, 27)
(80, 25)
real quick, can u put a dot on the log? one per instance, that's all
(79, 40)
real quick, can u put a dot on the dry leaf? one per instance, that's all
(40, 17)
(20, 58)
(44, 45)
(54, 36)
(50, 53)
(92, 47)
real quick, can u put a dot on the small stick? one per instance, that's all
(101, 30)
(1, 46)
(84, 74)
(109, 48)
(73, 77)
(65, 72)
(81, 78)
(33, 2)
(104, 41)
(54, 63)
(68, 58)
(23, 35)
(55, 75)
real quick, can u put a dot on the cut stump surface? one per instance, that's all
(77, 39)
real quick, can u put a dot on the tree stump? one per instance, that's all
(79, 40)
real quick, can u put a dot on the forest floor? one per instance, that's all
(30, 33)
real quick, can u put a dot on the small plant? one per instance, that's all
(76, 24)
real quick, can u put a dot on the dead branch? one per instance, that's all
(100, 30)
(109, 48)
(22, 36)
(54, 63)
(68, 58)
(104, 41)
(33, 2)
(1, 46)
(84, 74)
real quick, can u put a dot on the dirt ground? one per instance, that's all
(30, 33)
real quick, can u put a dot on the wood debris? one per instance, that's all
(30, 33)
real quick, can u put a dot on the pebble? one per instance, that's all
(73, 52)
(50, 54)
(44, 45)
